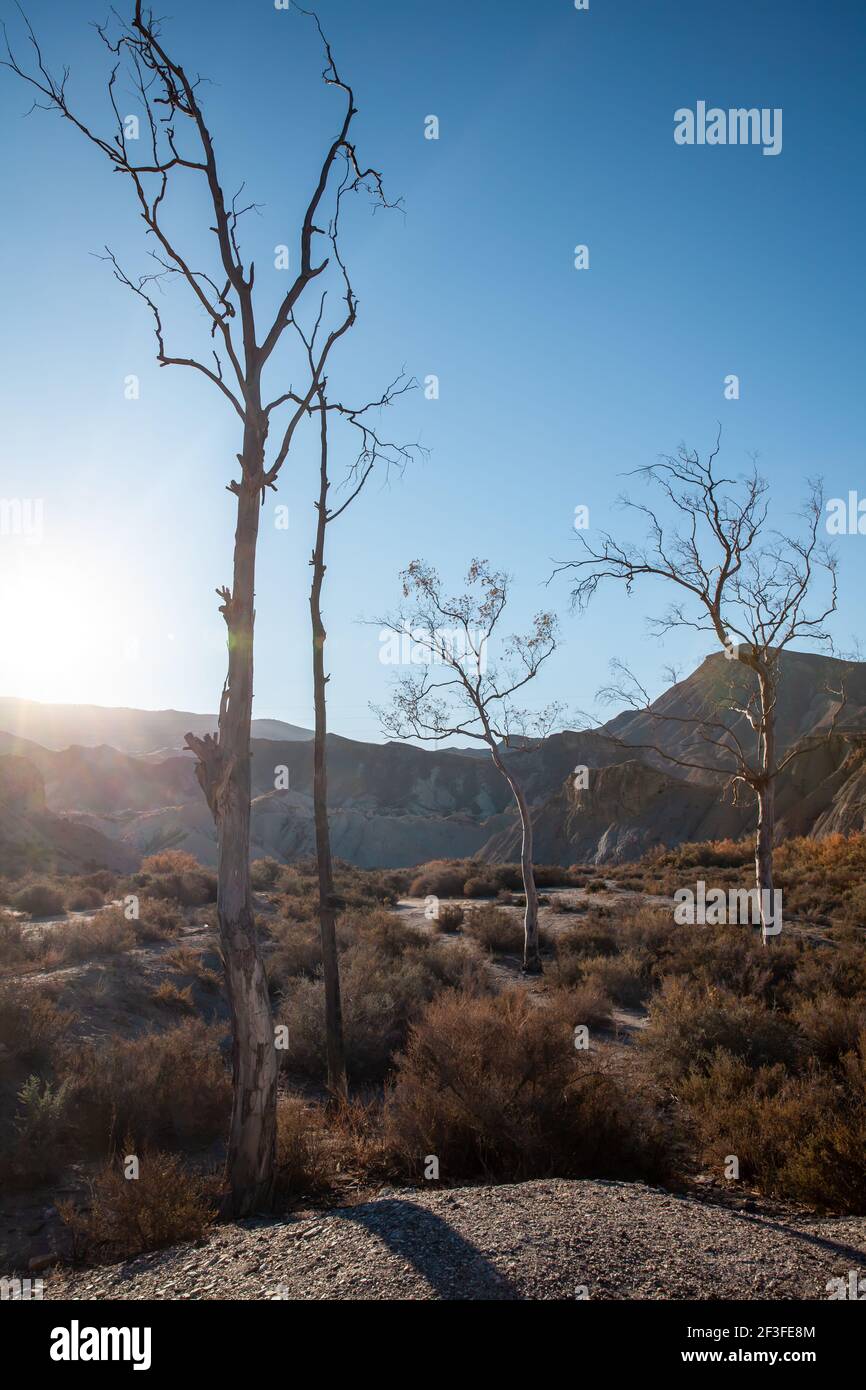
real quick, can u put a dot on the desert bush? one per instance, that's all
(837, 970)
(101, 879)
(169, 1087)
(170, 861)
(264, 873)
(16, 946)
(832, 1026)
(165, 1205)
(688, 1024)
(31, 1145)
(169, 996)
(590, 938)
(479, 888)
(302, 1148)
(625, 978)
(106, 934)
(450, 918)
(732, 958)
(84, 899)
(387, 978)
(32, 1027)
(798, 1137)
(441, 878)
(495, 930)
(495, 1088)
(296, 952)
(40, 900)
(189, 889)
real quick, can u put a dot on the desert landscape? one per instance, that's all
(432, 798)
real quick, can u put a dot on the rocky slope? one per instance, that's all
(394, 805)
(32, 836)
(536, 1240)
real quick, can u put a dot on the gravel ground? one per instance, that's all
(536, 1240)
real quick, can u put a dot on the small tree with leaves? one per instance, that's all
(747, 585)
(458, 692)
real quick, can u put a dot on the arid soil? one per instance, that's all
(538, 1240)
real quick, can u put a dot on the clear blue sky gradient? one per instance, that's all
(556, 129)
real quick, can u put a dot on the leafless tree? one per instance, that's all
(180, 146)
(747, 585)
(372, 451)
(457, 691)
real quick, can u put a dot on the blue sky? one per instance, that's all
(556, 128)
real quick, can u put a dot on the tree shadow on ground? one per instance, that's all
(451, 1265)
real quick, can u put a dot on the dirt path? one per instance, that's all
(537, 1240)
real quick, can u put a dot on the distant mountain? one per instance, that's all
(136, 731)
(395, 805)
(33, 837)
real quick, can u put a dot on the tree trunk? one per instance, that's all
(224, 773)
(531, 956)
(766, 793)
(334, 1043)
(764, 860)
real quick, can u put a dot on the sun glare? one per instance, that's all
(65, 636)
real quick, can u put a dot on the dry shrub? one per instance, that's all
(32, 1027)
(106, 934)
(494, 1087)
(798, 1137)
(590, 938)
(264, 873)
(169, 1087)
(588, 1004)
(441, 878)
(479, 888)
(688, 1024)
(40, 900)
(837, 970)
(170, 861)
(624, 978)
(387, 977)
(296, 953)
(450, 918)
(85, 899)
(17, 947)
(188, 962)
(495, 930)
(168, 996)
(165, 1205)
(302, 1148)
(832, 1026)
(190, 889)
(733, 958)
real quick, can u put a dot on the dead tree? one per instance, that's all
(373, 451)
(746, 585)
(458, 692)
(179, 145)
